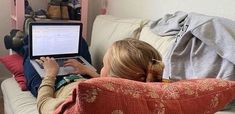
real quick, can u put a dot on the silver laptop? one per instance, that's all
(55, 39)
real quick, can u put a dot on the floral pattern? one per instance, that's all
(117, 112)
(121, 96)
(214, 101)
(90, 95)
(109, 86)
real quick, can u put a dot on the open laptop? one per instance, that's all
(60, 40)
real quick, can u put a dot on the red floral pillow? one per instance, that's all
(14, 63)
(121, 96)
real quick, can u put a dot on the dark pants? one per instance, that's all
(33, 78)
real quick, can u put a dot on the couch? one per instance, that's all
(107, 29)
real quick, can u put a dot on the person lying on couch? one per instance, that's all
(129, 58)
(18, 41)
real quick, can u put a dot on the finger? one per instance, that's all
(39, 61)
(67, 64)
(72, 59)
(69, 61)
(48, 59)
(53, 58)
(79, 64)
(42, 59)
(75, 64)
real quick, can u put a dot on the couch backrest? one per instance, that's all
(108, 29)
(160, 43)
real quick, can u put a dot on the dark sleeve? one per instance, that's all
(84, 50)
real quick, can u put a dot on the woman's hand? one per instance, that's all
(79, 68)
(50, 66)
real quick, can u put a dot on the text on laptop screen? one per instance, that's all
(55, 40)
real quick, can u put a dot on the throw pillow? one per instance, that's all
(121, 96)
(14, 63)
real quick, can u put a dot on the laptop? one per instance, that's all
(60, 40)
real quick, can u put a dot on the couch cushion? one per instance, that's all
(17, 101)
(121, 96)
(107, 29)
(160, 43)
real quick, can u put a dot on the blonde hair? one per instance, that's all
(136, 32)
(136, 60)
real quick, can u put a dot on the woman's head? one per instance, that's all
(133, 59)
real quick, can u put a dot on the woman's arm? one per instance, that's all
(93, 74)
(46, 102)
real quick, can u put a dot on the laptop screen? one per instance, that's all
(54, 39)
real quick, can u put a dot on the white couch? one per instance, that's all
(106, 29)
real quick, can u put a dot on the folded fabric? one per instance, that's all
(121, 96)
(14, 63)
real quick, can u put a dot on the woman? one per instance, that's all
(129, 58)
(18, 41)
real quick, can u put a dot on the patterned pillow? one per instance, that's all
(121, 96)
(14, 63)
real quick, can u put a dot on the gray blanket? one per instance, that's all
(204, 46)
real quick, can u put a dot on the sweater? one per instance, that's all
(204, 46)
(48, 99)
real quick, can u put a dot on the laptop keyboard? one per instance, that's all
(60, 62)
(39, 65)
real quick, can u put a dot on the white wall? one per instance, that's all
(4, 28)
(38, 4)
(155, 9)
(93, 11)
(4, 23)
